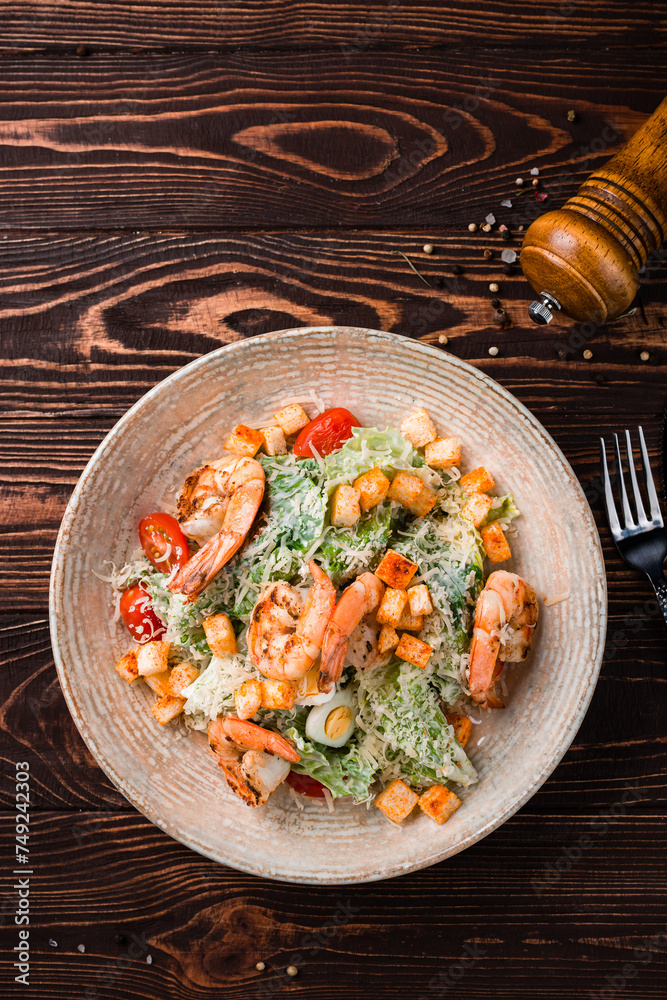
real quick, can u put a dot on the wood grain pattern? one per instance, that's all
(308, 139)
(352, 27)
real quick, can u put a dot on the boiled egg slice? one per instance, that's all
(332, 724)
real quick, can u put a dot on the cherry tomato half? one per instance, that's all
(136, 608)
(159, 534)
(305, 785)
(326, 432)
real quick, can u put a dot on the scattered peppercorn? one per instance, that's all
(488, 254)
(486, 228)
(457, 269)
(443, 339)
(521, 228)
(499, 316)
(562, 353)
(428, 248)
(645, 356)
(535, 182)
(508, 269)
(506, 235)
(494, 287)
(588, 355)
(472, 228)
(292, 970)
(572, 116)
(260, 966)
(495, 303)
(493, 351)
(519, 182)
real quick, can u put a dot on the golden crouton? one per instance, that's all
(410, 622)
(391, 607)
(167, 708)
(127, 666)
(292, 418)
(425, 502)
(276, 694)
(478, 481)
(418, 428)
(461, 725)
(410, 491)
(244, 441)
(413, 650)
(248, 698)
(181, 677)
(345, 509)
(373, 487)
(273, 440)
(477, 507)
(396, 801)
(395, 570)
(220, 635)
(152, 657)
(443, 453)
(387, 640)
(439, 803)
(419, 600)
(159, 683)
(307, 687)
(495, 543)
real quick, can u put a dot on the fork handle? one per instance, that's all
(660, 587)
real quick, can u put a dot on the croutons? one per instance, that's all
(273, 440)
(461, 725)
(443, 453)
(152, 657)
(477, 507)
(167, 708)
(391, 607)
(345, 509)
(495, 543)
(244, 441)
(373, 487)
(276, 694)
(410, 491)
(478, 481)
(419, 600)
(410, 622)
(292, 418)
(439, 803)
(396, 801)
(181, 677)
(127, 666)
(395, 570)
(220, 635)
(159, 683)
(413, 650)
(418, 428)
(387, 640)
(248, 698)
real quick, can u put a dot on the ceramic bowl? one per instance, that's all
(184, 420)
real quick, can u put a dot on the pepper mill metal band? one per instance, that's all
(585, 257)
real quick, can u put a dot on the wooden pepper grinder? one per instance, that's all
(584, 258)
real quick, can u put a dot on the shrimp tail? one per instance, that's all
(333, 659)
(205, 564)
(252, 737)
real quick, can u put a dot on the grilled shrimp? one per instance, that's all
(254, 761)
(217, 507)
(359, 599)
(284, 638)
(505, 619)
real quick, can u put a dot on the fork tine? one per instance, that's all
(612, 516)
(641, 515)
(650, 486)
(627, 514)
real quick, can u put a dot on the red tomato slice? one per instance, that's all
(305, 785)
(326, 432)
(136, 608)
(160, 534)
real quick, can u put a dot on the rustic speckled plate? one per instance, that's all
(174, 781)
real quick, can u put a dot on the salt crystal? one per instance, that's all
(81, 948)
(490, 218)
(149, 959)
(54, 944)
(535, 172)
(509, 256)
(506, 203)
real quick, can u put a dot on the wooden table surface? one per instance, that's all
(175, 176)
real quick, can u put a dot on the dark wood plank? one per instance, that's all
(205, 927)
(352, 27)
(309, 139)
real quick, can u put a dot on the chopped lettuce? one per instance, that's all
(503, 508)
(344, 553)
(367, 448)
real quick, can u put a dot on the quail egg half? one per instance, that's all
(332, 724)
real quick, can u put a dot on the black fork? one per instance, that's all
(642, 541)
